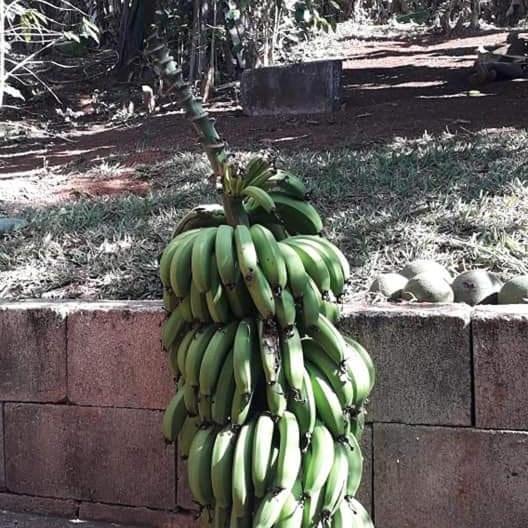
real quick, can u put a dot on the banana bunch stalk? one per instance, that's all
(270, 397)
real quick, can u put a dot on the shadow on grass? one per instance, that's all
(462, 200)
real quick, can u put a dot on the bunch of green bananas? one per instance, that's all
(270, 396)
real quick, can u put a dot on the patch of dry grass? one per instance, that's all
(462, 200)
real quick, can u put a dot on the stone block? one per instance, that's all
(500, 349)
(136, 516)
(2, 459)
(449, 477)
(38, 505)
(115, 357)
(96, 454)
(305, 88)
(423, 361)
(32, 353)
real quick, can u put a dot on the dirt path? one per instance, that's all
(393, 86)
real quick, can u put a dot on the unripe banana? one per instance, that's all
(242, 489)
(358, 374)
(189, 429)
(270, 508)
(356, 424)
(262, 450)
(311, 304)
(276, 396)
(355, 465)
(289, 462)
(339, 381)
(198, 302)
(292, 360)
(221, 517)
(190, 397)
(331, 310)
(289, 184)
(239, 299)
(245, 521)
(297, 276)
(195, 354)
(261, 293)
(335, 488)
(299, 216)
(328, 337)
(225, 390)
(202, 252)
(294, 500)
(168, 253)
(204, 409)
(333, 250)
(170, 301)
(181, 353)
(360, 517)
(328, 406)
(246, 252)
(240, 407)
(222, 466)
(225, 254)
(214, 357)
(294, 520)
(244, 348)
(312, 509)
(269, 351)
(180, 267)
(365, 356)
(313, 262)
(172, 328)
(261, 197)
(305, 410)
(285, 310)
(269, 256)
(318, 460)
(199, 466)
(174, 417)
(216, 298)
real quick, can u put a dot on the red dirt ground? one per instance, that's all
(392, 87)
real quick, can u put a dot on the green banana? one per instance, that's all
(172, 328)
(244, 521)
(256, 168)
(294, 520)
(262, 450)
(261, 293)
(214, 356)
(189, 429)
(365, 356)
(313, 262)
(170, 301)
(357, 424)
(285, 310)
(327, 403)
(304, 410)
(289, 184)
(270, 508)
(326, 335)
(260, 196)
(292, 360)
(180, 267)
(181, 352)
(355, 515)
(358, 373)
(333, 250)
(225, 254)
(174, 417)
(190, 396)
(246, 252)
(355, 465)
(318, 460)
(222, 466)
(299, 216)
(201, 258)
(204, 215)
(205, 411)
(289, 461)
(225, 390)
(335, 488)
(239, 299)
(269, 257)
(269, 351)
(311, 304)
(240, 407)
(331, 310)
(220, 516)
(297, 276)
(168, 253)
(242, 489)
(216, 298)
(195, 354)
(276, 395)
(293, 501)
(198, 301)
(199, 466)
(339, 381)
(244, 347)
(312, 509)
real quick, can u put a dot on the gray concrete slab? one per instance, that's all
(27, 520)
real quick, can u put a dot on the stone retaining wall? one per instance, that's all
(83, 385)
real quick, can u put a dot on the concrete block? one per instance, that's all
(365, 491)
(2, 459)
(38, 505)
(26, 520)
(136, 516)
(96, 454)
(305, 88)
(500, 348)
(449, 477)
(423, 360)
(115, 357)
(32, 353)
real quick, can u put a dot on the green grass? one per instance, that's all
(462, 200)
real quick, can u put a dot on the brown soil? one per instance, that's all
(393, 87)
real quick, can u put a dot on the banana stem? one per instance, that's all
(203, 124)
